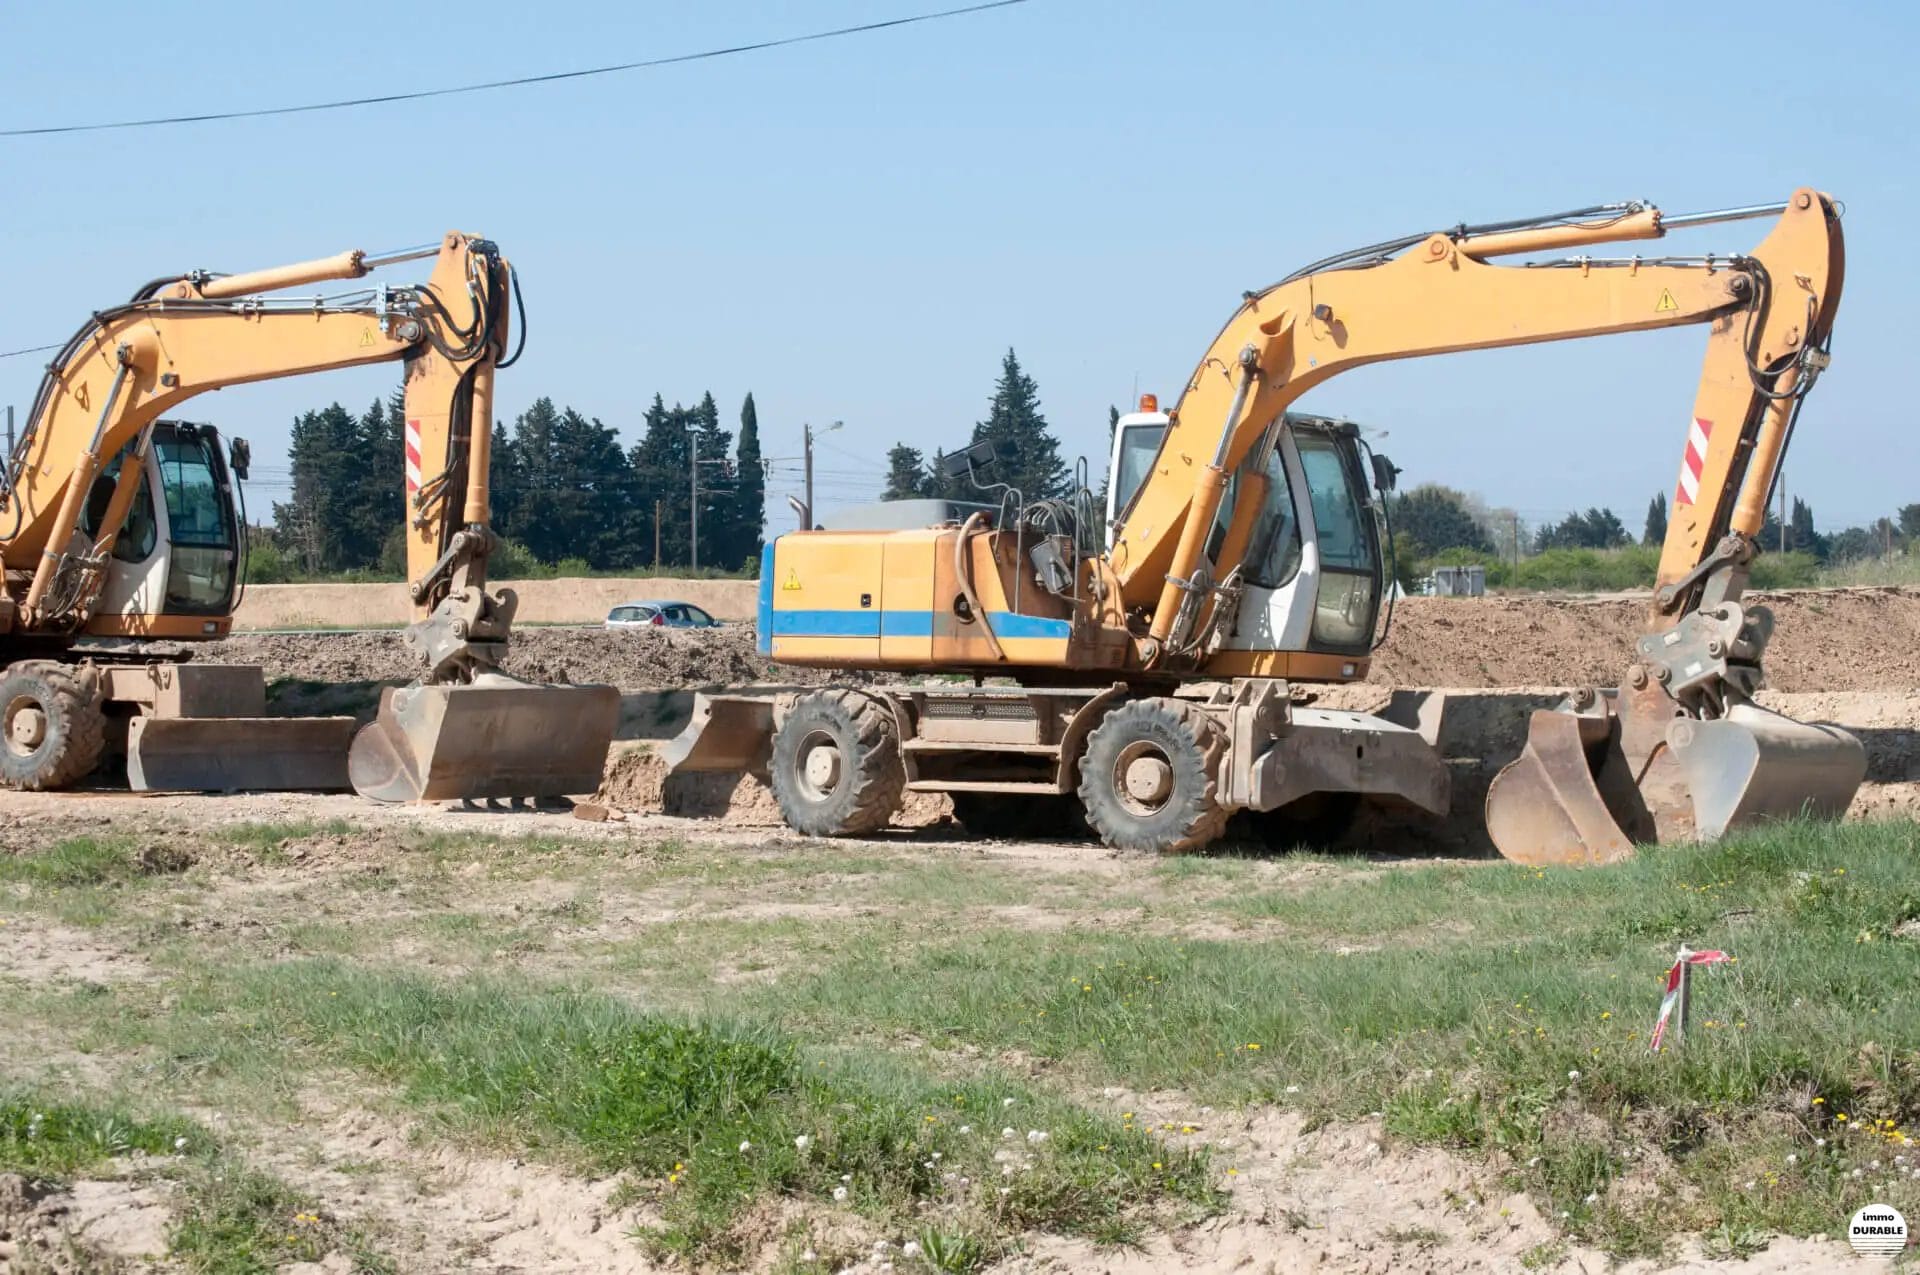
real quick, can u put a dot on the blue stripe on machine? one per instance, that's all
(764, 612)
(1006, 624)
(826, 624)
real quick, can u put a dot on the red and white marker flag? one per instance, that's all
(1676, 979)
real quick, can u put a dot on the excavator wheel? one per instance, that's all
(52, 729)
(1149, 778)
(836, 768)
(1010, 816)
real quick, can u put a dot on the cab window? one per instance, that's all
(200, 573)
(1348, 599)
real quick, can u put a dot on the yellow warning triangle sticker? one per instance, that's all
(793, 579)
(366, 338)
(1666, 302)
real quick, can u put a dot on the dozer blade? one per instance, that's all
(497, 737)
(1545, 807)
(1753, 765)
(238, 754)
(729, 732)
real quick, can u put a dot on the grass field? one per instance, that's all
(793, 1050)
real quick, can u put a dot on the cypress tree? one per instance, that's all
(747, 519)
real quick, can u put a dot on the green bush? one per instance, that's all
(266, 563)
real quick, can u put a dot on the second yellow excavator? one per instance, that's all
(120, 531)
(1136, 670)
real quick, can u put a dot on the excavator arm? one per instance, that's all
(1680, 750)
(183, 336)
(1441, 295)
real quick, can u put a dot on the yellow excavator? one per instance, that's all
(121, 535)
(1137, 670)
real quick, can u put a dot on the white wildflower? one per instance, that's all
(745, 1147)
(179, 1144)
(1792, 1158)
(1593, 1197)
(1750, 1185)
(1006, 1102)
(1573, 1075)
(801, 1143)
(1007, 1132)
(936, 1156)
(839, 1193)
(966, 1128)
(910, 1249)
(1293, 1088)
(1006, 1190)
(1532, 1162)
(1857, 1173)
(1038, 1136)
(1819, 1142)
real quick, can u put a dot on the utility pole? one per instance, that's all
(656, 534)
(693, 479)
(1783, 510)
(1515, 516)
(806, 519)
(806, 434)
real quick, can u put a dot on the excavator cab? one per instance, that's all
(176, 563)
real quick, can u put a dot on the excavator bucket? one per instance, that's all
(495, 737)
(1545, 807)
(1754, 764)
(1589, 784)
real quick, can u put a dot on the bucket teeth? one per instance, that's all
(497, 737)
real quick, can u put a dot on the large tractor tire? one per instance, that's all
(836, 768)
(1021, 816)
(1149, 778)
(52, 728)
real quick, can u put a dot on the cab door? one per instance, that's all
(1312, 565)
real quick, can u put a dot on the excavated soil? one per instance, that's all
(1826, 640)
(641, 659)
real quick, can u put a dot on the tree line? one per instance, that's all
(565, 492)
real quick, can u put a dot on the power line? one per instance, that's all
(32, 349)
(517, 82)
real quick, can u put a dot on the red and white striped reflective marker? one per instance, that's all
(413, 455)
(1693, 462)
(1676, 989)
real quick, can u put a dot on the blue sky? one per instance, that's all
(858, 229)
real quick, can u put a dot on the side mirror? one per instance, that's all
(1385, 473)
(239, 458)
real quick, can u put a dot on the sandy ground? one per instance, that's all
(1334, 1197)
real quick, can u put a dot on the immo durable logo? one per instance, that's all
(1877, 1231)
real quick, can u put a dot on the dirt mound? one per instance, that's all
(633, 660)
(637, 781)
(1826, 640)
